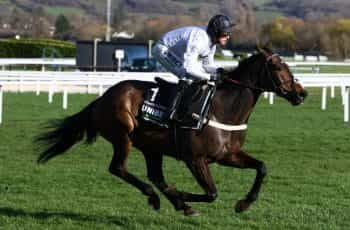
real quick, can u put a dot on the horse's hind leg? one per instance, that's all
(243, 160)
(118, 168)
(154, 163)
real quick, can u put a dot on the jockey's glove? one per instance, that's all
(224, 71)
(214, 77)
(220, 71)
(218, 75)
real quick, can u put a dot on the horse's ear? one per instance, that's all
(264, 47)
(259, 49)
(267, 48)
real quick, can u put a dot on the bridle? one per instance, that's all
(277, 84)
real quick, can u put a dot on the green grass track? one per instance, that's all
(306, 150)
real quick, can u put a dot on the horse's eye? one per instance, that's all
(279, 68)
(275, 67)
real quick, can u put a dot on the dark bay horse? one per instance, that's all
(114, 116)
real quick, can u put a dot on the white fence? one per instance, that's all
(37, 61)
(293, 63)
(4, 62)
(72, 62)
(97, 82)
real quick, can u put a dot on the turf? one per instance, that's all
(306, 151)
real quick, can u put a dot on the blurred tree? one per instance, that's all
(62, 27)
(120, 14)
(229, 7)
(89, 30)
(279, 34)
(245, 34)
(339, 33)
(40, 23)
(15, 19)
(155, 27)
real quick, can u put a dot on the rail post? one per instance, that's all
(65, 98)
(346, 104)
(271, 98)
(324, 98)
(0, 104)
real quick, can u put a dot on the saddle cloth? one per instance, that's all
(159, 99)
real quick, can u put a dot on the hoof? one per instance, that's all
(154, 201)
(241, 206)
(191, 212)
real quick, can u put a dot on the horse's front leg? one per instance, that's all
(154, 163)
(243, 160)
(201, 172)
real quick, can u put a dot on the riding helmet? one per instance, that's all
(218, 25)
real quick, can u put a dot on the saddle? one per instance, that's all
(194, 104)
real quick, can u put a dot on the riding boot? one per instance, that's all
(173, 110)
(205, 110)
(174, 107)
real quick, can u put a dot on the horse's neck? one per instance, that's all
(233, 105)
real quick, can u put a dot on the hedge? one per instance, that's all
(34, 48)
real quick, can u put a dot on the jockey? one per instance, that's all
(188, 52)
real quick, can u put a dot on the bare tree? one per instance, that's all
(40, 26)
(15, 19)
(242, 13)
(120, 14)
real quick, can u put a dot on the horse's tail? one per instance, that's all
(66, 132)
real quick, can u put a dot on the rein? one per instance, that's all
(238, 83)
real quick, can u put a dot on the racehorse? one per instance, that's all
(115, 116)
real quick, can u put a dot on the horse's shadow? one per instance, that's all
(117, 220)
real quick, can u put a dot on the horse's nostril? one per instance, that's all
(303, 94)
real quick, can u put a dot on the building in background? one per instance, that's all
(105, 55)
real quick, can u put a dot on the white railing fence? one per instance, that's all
(97, 82)
(71, 62)
(37, 61)
(44, 62)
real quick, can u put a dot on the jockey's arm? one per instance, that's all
(210, 66)
(208, 63)
(192, 66)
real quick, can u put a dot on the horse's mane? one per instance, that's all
(243, 72)
(245, 64)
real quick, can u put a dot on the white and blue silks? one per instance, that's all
(187, 52)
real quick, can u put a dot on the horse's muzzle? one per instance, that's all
(297, 98)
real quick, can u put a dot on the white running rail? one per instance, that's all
(97, 82)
